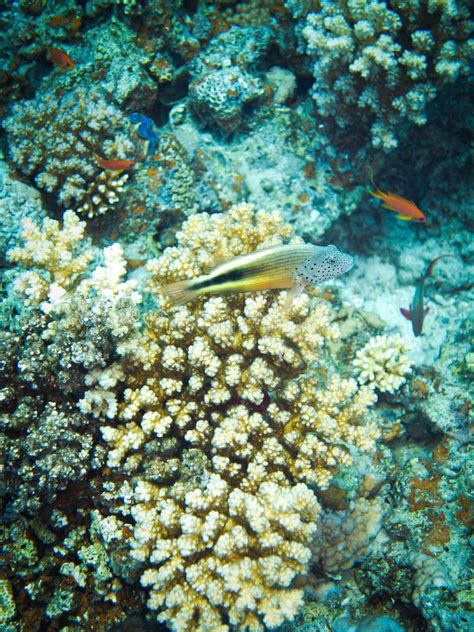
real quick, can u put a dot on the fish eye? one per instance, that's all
(332, 260)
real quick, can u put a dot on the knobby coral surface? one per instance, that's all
(67, 331)
(383, 363)
(228, 378)
(219, 419)
(53, 139)
(385, 61)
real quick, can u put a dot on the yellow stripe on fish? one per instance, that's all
(277, 267)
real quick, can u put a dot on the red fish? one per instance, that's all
(115, 164)
(60, 59)
(405, 209)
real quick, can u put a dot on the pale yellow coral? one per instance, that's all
(60, 286)
(51, 248)
(230, 377)
(226, 547)
(219, 414)
(383, 363)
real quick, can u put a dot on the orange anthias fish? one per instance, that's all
(405, 209)
(115, 164)
(60, 59)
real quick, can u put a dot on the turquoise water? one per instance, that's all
(201, 430)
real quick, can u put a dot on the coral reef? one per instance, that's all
(66, 333)
(17, 201)
(232, 385)
(345, 535)
(430, 574)
(381, 64)
(68, 131)
(234, 463)
(222, 95)
(216, 418)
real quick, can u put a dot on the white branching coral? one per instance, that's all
(51, 250)
(57, 259)
(89, 311)
(227, 547)
(383, 363)
(384, 62)
(239, 386)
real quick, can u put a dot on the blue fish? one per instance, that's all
(145, 130)
(417, 312)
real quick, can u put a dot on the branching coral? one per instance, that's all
(228, 377)
(53, 139)
(384, 62)
(87, 316)
(216, 418)
(383, 363)
(63, 343)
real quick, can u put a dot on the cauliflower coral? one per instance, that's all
(384, 62)
(219, 419)
(223, 428)
(383, 363)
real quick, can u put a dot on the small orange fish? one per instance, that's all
(405, 209)
(117, 164)
(60, 59)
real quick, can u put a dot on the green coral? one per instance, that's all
(7, 602)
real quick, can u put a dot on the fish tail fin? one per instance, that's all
(406, 313)
(429, 269)
(180, 293)
(372, 179)
(374, 184)
(377, 194)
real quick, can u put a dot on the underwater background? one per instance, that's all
(243, 461)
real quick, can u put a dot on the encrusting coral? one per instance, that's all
(218, 418)
(345, 535)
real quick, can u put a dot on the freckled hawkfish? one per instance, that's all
(278, 267)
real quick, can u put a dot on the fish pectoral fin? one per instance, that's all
(405, 218)
(406, 313)
(293, 294)
(387, 206)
